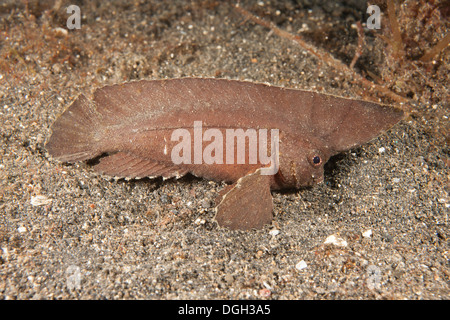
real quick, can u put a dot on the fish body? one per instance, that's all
(143, 129)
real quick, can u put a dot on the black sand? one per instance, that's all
(99, 238)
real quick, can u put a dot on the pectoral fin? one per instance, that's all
(248, 204)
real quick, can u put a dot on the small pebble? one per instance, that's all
(333, 239)
(301, 265)
(199, 221)
(367, 233)
(61, 31)
(274, 232)
(22, 229)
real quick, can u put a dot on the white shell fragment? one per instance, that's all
(333, 239)
(274, 232)
(367, 233)
(301, 265)
(40, 200)
(22, 229)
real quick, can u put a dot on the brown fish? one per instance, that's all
(172, 127)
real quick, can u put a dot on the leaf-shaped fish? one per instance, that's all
(139, 128)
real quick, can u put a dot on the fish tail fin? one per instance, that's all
(74, 135)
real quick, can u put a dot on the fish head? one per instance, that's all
(302, 162)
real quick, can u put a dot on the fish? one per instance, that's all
(256, 137)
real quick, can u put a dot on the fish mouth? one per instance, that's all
(316, 179)
(313, 180)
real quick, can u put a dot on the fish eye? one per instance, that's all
(315, 160)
